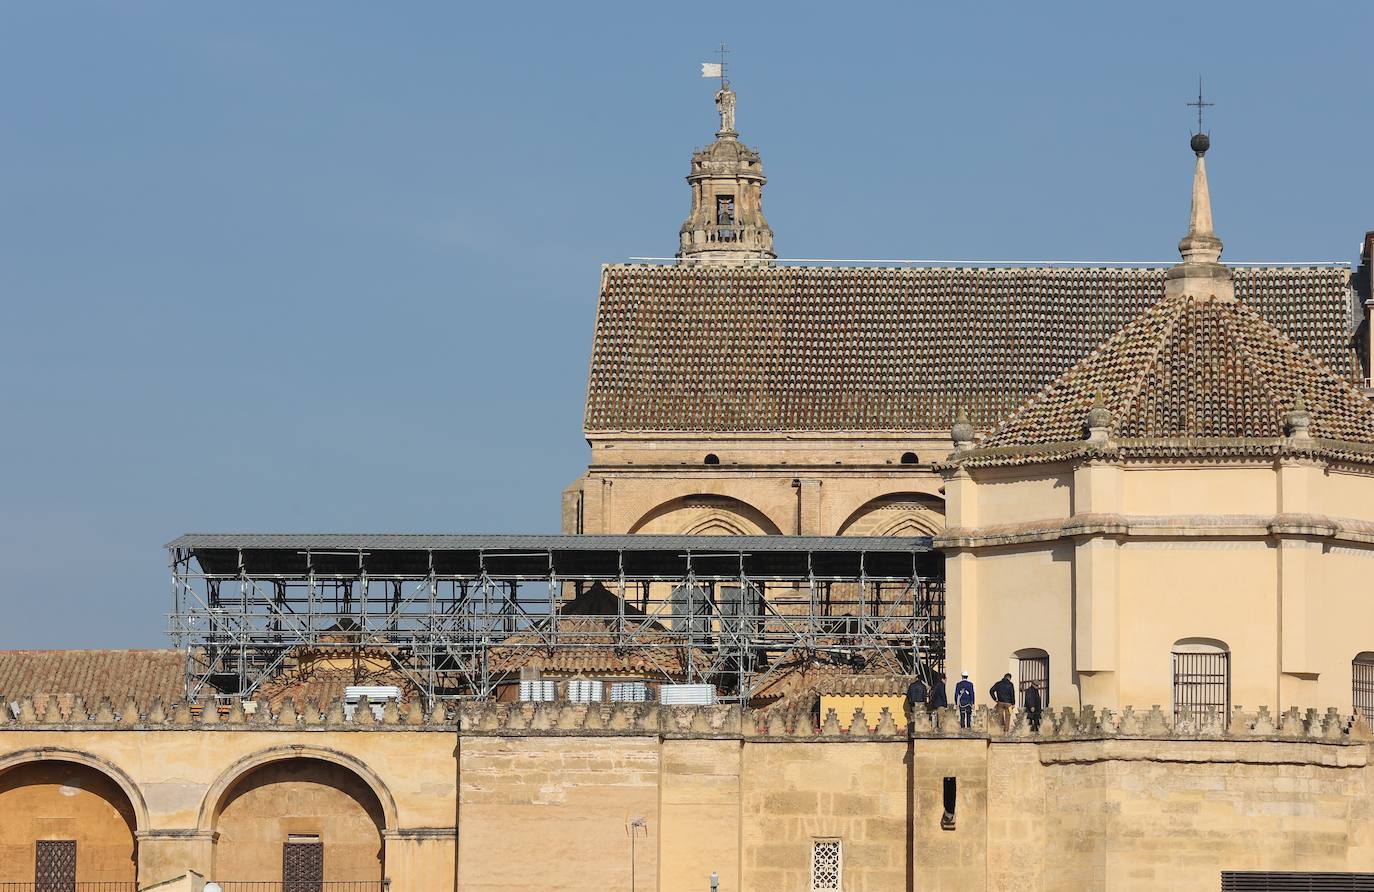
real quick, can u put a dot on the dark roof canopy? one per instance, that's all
(791, 348)
(586, 556)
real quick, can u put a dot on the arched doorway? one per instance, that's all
(64, 822)
(288, 819)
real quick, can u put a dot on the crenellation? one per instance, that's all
(831, 726)
(887, 726)
(287, 717)
(77, 714)
(555, 719)
(858, 723)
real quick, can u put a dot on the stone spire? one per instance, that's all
(726, 225)
(1201, 274)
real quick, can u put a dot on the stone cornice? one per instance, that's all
(1141, 526)
(1211, 450)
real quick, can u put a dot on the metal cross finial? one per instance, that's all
(1199, 104)
(723, 52)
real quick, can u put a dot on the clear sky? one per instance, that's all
(332, 266)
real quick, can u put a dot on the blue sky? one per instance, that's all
(333, 266)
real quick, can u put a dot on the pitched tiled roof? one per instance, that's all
(587, 646)
(323, 675)
(93, 675)
(703, 348)
(1192, 370)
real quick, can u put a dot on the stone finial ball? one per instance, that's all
(1200, 142)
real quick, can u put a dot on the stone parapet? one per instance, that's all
(73, 715)
(720, 721)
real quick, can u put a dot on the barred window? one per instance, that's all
(1033, 670)
(825, 865)
(1202, 676)
(1362, 684)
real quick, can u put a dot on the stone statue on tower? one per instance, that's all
(725, 104)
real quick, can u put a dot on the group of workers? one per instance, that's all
(931, 696)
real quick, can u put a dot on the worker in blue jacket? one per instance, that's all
(963, 698)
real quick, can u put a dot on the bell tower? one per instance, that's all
(726, 225)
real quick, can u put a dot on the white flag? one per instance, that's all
(711, 69)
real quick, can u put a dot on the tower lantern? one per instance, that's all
(726, 225)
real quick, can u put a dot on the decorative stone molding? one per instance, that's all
(1141, 526)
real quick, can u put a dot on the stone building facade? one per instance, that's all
(524, 797)
(732, 393)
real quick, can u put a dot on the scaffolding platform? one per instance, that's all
(453, 613)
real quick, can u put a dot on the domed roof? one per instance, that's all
(1190, 372)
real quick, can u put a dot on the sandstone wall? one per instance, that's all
(551, 798)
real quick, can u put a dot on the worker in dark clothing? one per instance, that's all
(917, 696)
(963, 698)
(1003, 694)
(1031, 700)
(938, 698)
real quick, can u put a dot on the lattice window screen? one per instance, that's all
(302, 867)
(55, 866)
(825, 865)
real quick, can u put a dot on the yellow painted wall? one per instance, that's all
(1022, 498)
(1247, 555)
(1213, 490)
(872, 705)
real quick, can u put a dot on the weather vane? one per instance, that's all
(717, 69)
(1198, 103)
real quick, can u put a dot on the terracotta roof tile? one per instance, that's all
(701, 348)
(93, 675)
(585, 646)
(1194, 370)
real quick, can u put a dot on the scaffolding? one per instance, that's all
(456, 614)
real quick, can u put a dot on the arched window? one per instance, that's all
(712, 458)
(909, 458)
(1362, 684)
(1032, 670)
(1202, 676)
(318, 820)
(65, 822)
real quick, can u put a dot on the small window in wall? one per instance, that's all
(1202, 676)
(909, 458)
(1362, 684)
(950, 799)
(826, 866)
(55, 866)
(712, 458)
(302, 864)
(1033, 670)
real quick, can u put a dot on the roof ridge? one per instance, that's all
(1244, 353)
(1166, 332)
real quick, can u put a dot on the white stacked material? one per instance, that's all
(585, 690)
(376, 695)
(629, 692)
(687, 694)
(537, 692)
